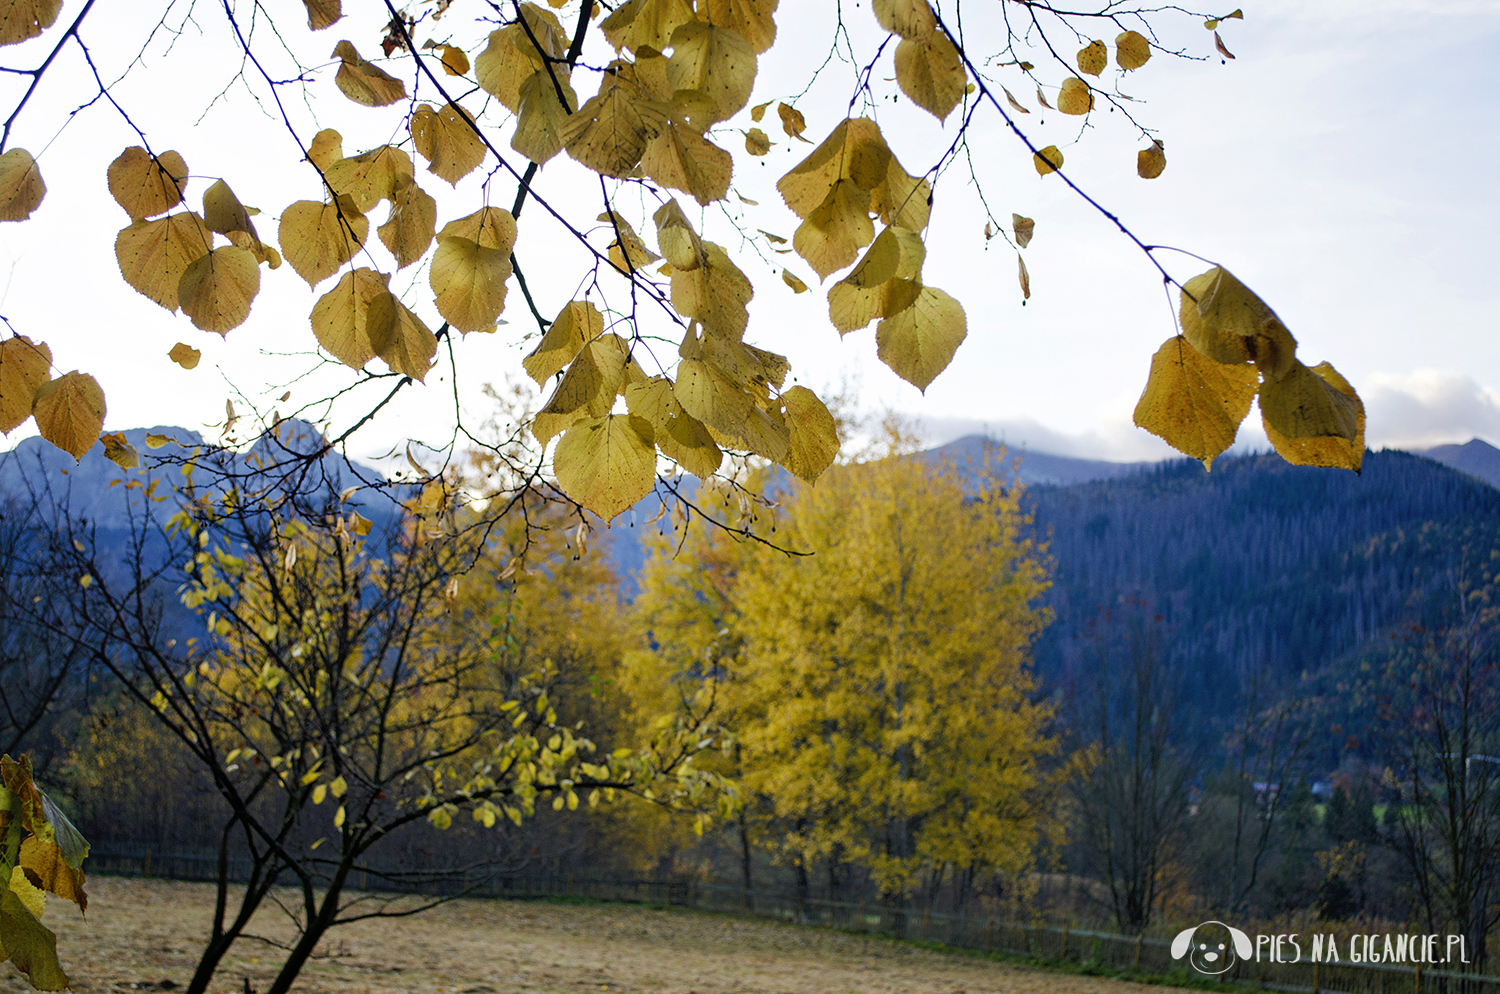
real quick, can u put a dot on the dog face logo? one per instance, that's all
(1212, 947)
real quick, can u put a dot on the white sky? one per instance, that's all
(1342, 166)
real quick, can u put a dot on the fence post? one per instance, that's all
(1064, 956)
(1139, 938)
(1417, 983)
(926, 917)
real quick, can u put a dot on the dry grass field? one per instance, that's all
(145, 935)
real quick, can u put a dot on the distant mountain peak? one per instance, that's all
(1475, 457)
(1036, 468)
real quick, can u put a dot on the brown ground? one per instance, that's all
(141, 933)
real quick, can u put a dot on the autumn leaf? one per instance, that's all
(455, 61)
(813, 435)
(511, 58)
(607, 464)
(145, 186)
(792, 121)
(716, 61)
(370, 177)
(1014, 103)
(412, 344)
(639, 255)
(1150, 162)
(317, 239)
(646, 23)
(1024, 277)
(542, 115)
(69, 413)
(22, 19)
(408, 232)
(711, 396)
(919, 341)
(1226, 321)
(1132, 50)
(223, 212)
(675, 236)
(447, 141)
(24, 367)
(1092, 58)
(355, 321)
(930, 71)
(120, 452)
(1219, 44)
(756, 142)
(1075, 97)
(854, 150)
(322, 13)
(1024, 228)
(1194, 403)
(751, 19)
(576, 325)
(609, 133)
(470, 267)
(153, 255)
(832, 235)
(364, 82)
(216, 289)
(1041, 98)
(587, 390)
(680, 436)
(885, 281)
(1048, 160)
(1313, 417)
(714, 293)
(326, 148)
(21, 186)
(32, 947)
(682, 159)
(185, 356)
(797, 285)
(907, 18)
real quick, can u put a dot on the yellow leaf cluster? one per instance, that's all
(531, 79)
(360, 319)
(929, 67)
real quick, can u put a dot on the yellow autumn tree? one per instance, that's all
(878, 689)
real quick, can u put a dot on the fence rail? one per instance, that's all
(1137, 954)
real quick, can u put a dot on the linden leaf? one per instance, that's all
(675, 236)
(587, 390)
(511, 57)
(1015, 104)
(758, 112)
(488, 227)
(21, 186)
(408, 232)
(902, 199)
(608, 463)
(1194, 403)
(157, 441)
(370, 177)
(52, 861)
(145, 185)
(832, 235)
(364, 82)
(24, 366)
(541, 116)
(918, 342)
(714, 294)
(609, 133)
(470, 267)
(1023, 276)
(907, 18)
(1049, 159)
(1092, 58)
(1132, 50)
(447, 141)
(854, 150)
(1023, 227)
(814, 436)
(322, 13)
(750, 18)
(712, 397)
(120, 452)
(1313, 417)
(69, 413)
(455, 61)
(1042, 98)
(1227, 322)
(715, 60)
(756, 142)
(792, 122)
(682, 159)
(646, 23)
(217, 288)
(578, 324)
(355, 321)
(885, 281)
(1150, 162)
(797, 285)
(31, 946)
(22, 19)
(680, 436)
(185, 356)
(223, 212)
(1219, 44)
(930, 71)
(412, 344)
(1075, 97)
(639, 255)
(317, 239)
(325, 149)
(153, 255)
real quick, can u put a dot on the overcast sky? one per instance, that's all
(1342, 166)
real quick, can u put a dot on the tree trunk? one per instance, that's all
(745, 862)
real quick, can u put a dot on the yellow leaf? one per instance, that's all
(22, 19)
(217, 288)
(408, 231)
(1313, 417)
(541, 115)
(1092, 58)
(1227, 322)
(577, 324)
(750, 18)
(683, 159)
(1132, 50)
(185, 356)
(675, 236)
(885, 281)
(714, 293)
(24, 367)
(317, 239)
(32, 947)
(607, 463)
(797, 285)
(814, 437)
(455, 62)
(587, 390)
(1150, 162)
(756, 142)
(338, 818)
(157, 441)
(930, 71)
(680, 437)
(339, 786)
(1015, 104)
(1049, 159)
(1075, 97)
(319, 792)
(355, 321)
(1024, 228)
(758, 112)
(854, 150)
(69, 412)
(364, 82)
(488, 227)
(1219, 44)
(153, 255)
(609, 133)
(1194, 403)
(1023, 276)
(322, 13)
(902, 200)
(325, 149)
(145, 186)
(907, 18)
(792, 121)
(709, 395)
(370, 177)
(470, 267)
(832, 235)
(646, 23)
(447, 141)
(716, 61)
(918, 341)
(639, 255)
(119, 451)
(21, 186)
(47, 862)
(511, 58)
(412, 344)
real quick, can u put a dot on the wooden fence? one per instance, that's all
(1048, 944)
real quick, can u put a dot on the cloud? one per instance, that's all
(1429, 407)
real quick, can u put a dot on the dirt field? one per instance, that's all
(145, 935)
